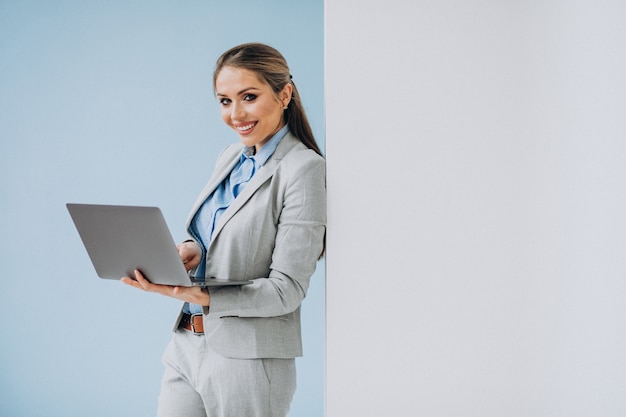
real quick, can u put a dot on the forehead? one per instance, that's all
(232, 79)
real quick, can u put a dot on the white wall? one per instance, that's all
(477, 189)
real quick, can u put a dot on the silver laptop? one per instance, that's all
(120, 239)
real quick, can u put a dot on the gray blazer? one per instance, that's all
(272, 233)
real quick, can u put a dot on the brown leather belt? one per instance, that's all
(192, 323)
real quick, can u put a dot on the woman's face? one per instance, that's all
(249, 106)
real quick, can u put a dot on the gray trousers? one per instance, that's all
(200, 383)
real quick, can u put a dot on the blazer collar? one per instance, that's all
(223, 169)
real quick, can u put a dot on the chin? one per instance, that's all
(247, 142)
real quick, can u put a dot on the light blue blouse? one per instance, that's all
(203, 223)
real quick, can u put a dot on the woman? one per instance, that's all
(261, 217)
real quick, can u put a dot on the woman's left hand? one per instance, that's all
(193, 295)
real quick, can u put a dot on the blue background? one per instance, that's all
(112, 103)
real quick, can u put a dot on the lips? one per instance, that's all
(246, 127)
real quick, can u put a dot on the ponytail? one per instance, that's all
(298, 122)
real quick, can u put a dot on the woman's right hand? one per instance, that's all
(190, 253)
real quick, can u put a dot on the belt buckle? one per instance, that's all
(192, 324)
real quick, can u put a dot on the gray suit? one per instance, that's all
(272, 233)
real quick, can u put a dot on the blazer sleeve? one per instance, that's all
(297, 246)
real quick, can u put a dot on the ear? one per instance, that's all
(285, 94)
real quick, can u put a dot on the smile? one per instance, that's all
(244, 128)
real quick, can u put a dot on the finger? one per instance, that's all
(150, 287)
(131, 282)
(181, 251)
(139, 278)
(143, 282)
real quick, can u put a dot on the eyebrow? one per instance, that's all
(239, 92)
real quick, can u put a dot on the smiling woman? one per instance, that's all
(261, 217)
(113, 103)
(249, 105)
(252, 60)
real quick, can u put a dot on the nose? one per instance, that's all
(237, 111)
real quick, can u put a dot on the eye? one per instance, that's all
(224, 101)
(249, 97)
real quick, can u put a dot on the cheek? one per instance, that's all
(225, 116)
(272, 112)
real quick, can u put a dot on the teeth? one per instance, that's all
(246, 127)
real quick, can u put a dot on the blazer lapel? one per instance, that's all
(265, 173)
(230, 159)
